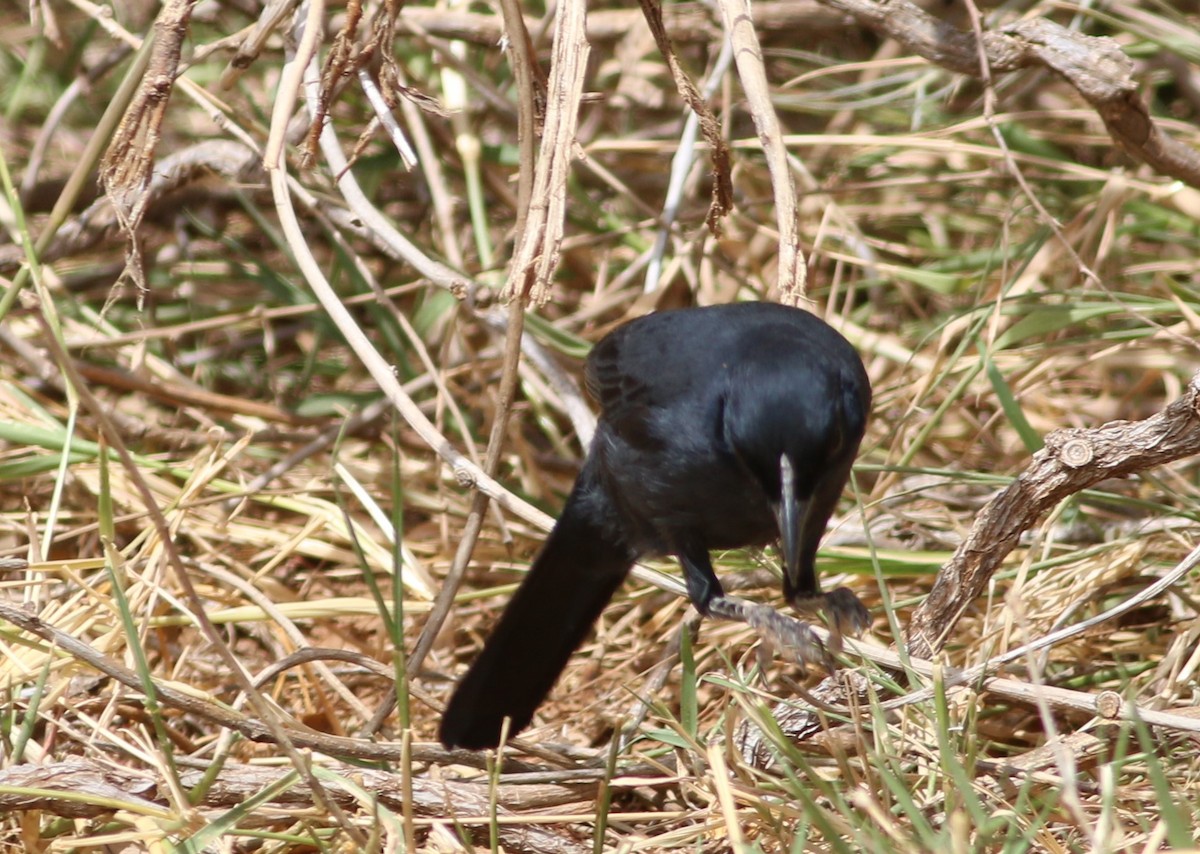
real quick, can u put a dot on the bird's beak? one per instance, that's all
(789, 513)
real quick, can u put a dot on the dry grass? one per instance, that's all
(1004, 269)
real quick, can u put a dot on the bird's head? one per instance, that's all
(799, 452)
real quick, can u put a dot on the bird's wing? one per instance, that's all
(615, 379)
(651, 361)
(601, 375)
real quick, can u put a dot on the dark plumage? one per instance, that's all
(705, 414)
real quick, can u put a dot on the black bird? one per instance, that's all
(720, 428)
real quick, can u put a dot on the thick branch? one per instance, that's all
(1095, 67)
(1072, 460)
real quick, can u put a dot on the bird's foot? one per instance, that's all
(847, 614)
(795, 637)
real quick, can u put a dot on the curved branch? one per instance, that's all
(1095, 67)
(1071, 461)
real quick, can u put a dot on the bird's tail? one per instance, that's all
(573, 577)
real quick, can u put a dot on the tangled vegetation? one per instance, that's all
(260, 366)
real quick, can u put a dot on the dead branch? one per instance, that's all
(685, 22)
(256, 730)
(1095, 67)
(535, 258)
(90, 789)
(174, 173)
(721, 172)
(1071, 461)
(127, 168)
(792, 275)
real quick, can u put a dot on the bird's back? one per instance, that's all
(667, 355)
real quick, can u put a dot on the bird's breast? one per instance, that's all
(682, 492)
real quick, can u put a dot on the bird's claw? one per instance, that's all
(847, 615)
(846, 612)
